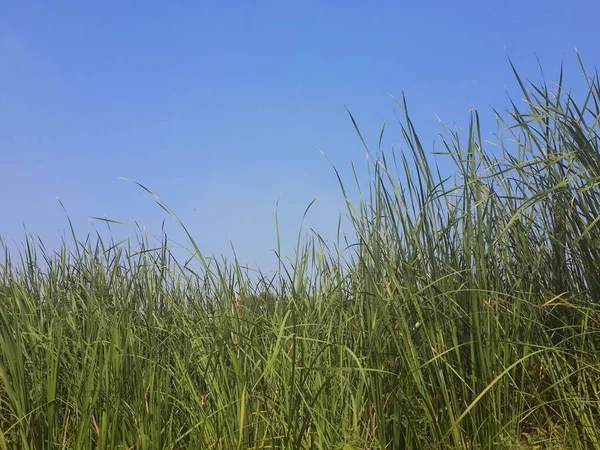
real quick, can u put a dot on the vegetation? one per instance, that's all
(463, 314)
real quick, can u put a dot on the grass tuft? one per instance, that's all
(463, 314)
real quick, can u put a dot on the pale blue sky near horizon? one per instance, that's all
(223, 108)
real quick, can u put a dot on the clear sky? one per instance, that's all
(222, 108)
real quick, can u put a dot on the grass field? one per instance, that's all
(464, 313)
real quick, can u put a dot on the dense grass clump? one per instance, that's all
(463, 314)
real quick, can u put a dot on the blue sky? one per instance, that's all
(223, 108)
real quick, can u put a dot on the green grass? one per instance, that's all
(463, 314)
